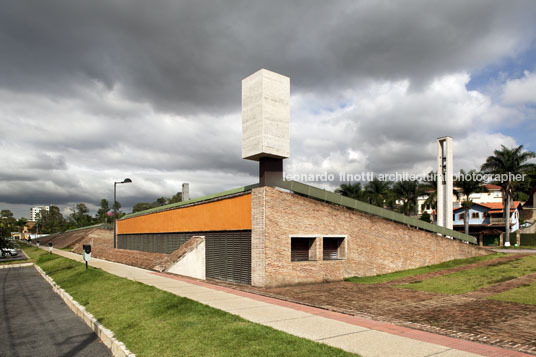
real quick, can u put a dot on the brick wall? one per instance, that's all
(258, 271)
(373, 245)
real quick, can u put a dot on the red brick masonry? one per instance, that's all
(372, 245)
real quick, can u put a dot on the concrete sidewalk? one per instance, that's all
(350, 333)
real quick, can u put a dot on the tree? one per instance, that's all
(51, 221)
(407, 191)
(468, 187)
(377, 191)
(176, 198)
(21, 223)
(425, 216)
(102, 213)
(352, 190)
(161, 201)
(141, 206)
(117, 210)
(80, 217)
(8, 223)
(430, 188)
(508, 162)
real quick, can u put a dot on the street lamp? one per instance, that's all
(127, 180)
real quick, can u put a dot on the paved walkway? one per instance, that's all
(515, 250)
(350, 333)
(35, 321)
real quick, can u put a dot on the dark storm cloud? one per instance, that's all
(92, 92)
(191, 55)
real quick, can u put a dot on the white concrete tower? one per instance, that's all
(185, 192)
(266, 123)
(444, 182)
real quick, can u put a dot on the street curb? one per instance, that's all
(117, 347)
(6, 266)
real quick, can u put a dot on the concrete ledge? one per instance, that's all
(107, 337)
(6, 266)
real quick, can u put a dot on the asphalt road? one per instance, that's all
(34, 321)
(20, 256)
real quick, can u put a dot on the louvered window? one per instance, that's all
(332, 248)
(299, 248)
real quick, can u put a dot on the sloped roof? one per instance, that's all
(494, 206)
(499, 205)
(492, 187)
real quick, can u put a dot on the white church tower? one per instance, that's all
(444, 182)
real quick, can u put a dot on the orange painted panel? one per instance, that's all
(228, 214)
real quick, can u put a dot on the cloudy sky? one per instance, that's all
(93, 92)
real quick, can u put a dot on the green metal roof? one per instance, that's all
(192, 201)
(327, 196)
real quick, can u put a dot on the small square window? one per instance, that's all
(333, 248)
(475, 215)
(302, 249)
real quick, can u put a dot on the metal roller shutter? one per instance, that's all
(228, 256)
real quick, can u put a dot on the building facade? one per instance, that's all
(34, 212)
(487, 215)
(266, 236)
(492, 194)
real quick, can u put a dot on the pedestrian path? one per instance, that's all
(350, 333)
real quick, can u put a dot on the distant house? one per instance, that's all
(26, 230)
(486, 218)
(493, 195)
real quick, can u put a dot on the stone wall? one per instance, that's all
(372, 245)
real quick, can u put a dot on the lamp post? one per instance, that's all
(127, 180)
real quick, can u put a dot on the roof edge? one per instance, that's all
(199, 200)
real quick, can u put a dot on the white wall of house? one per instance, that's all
(483, 197)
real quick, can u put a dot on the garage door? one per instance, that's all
(228, 256)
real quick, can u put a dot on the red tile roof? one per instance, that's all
(499, 205)
(495, 207)
(492, 187)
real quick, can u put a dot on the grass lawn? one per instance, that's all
(474, 279)
(427, 269)
(522, 295)
(153, 322)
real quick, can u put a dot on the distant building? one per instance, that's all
(34, 211)
(492, 195)
(27, 229)
(486, 220)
